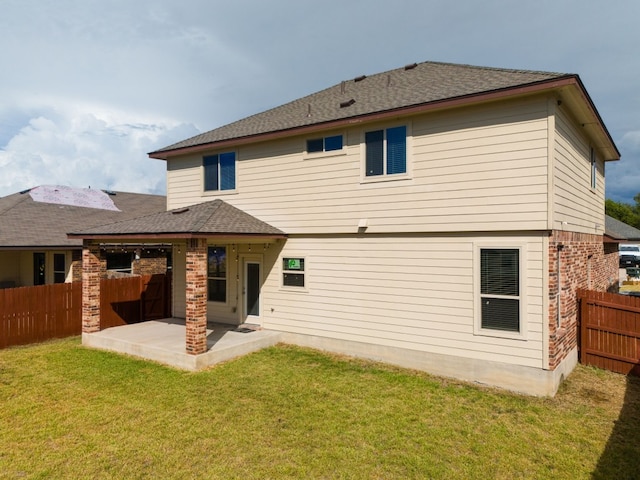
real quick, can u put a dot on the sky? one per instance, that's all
(88, 88)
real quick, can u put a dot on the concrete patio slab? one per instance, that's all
(164, 341)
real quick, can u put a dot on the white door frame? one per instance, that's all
(245, 260)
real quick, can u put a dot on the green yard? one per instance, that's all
(285, 412)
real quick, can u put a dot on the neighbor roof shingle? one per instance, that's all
(619, 230)
(403, 87)
(215, 217)
(25, 223)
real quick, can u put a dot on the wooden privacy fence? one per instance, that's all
(610, 331)
(35, 314)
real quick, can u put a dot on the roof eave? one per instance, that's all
(174, 235)
(465, 100)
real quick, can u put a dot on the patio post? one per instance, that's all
(90, 287)
(196, 298)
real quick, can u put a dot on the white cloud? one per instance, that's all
(82, 148)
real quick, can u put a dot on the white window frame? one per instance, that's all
(218, 192)
(325, 154)
(385, 177)
(522, 297)
(225, 278)
(305, 272)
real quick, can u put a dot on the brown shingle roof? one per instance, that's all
(25, 223)
(403, 87)
(204, 219)
(619, 230)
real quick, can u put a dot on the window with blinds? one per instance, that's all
(500, 288)
(386, 151)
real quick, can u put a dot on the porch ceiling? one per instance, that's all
(214, 218)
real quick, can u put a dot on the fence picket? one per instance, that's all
(35, 314)
(610, 331)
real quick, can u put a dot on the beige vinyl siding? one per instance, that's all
(472, 169)
(10, 267)
(577, 207)
(414, 292)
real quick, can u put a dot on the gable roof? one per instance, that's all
(410, 89)
(203, 220)
(27, 224)
(618, 230)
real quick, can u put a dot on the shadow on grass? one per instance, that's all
(621, 457)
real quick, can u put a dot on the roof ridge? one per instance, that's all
(411, 85)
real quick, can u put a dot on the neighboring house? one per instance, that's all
(35, 250)
(620, 232)
(436, 216)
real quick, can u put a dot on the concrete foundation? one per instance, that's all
(519, 379)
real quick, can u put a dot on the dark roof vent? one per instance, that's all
(411, 66)
(180, 210)
(110, 192)
(360, 78)
(25, 191)
(348, 103)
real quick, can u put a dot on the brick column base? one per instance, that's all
(196, 299)
(90, 287)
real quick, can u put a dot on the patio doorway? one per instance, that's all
(251, 286)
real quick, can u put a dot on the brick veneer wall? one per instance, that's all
(91, 269)
(585, 262)
(196, 296)
(76, 265)
(150, 265)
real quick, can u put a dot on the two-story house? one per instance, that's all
(436, 216)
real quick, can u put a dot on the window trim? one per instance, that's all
(522, 297)
(386, 177)
(64, 267)
(203, 170)
(305, 272)
(306, 155)
(226, 277)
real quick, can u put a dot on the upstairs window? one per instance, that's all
(220, 171)
(500, 289)
(386, 151)
(325, 144)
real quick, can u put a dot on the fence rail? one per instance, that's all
(610, 331)
(35, 314)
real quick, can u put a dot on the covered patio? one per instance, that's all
(164, 341)
(192, 339)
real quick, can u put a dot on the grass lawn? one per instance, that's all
(287, 412)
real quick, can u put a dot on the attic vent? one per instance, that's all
(348, 103)
(180, 210)
(360, 78)
(411, 66)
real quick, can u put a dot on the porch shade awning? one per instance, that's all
(213, 218)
